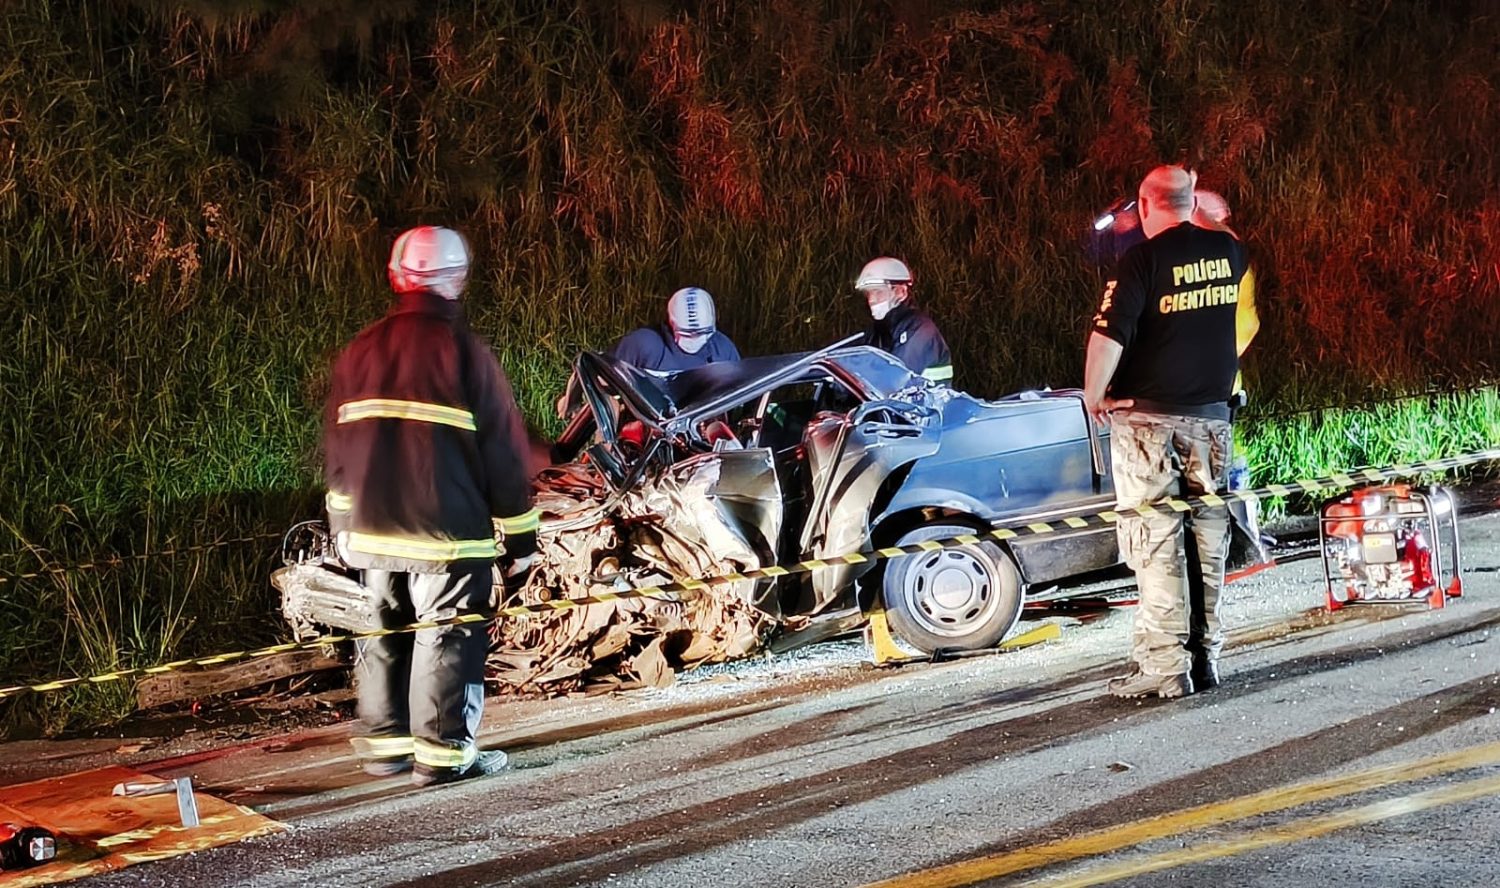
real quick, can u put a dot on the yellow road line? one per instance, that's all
(1110, 839)
(1296, 831)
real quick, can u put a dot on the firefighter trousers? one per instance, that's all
(421, 694)
(1157, 455)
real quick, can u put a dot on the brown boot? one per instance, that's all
(1141, 684)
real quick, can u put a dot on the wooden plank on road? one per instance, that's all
(174, 687)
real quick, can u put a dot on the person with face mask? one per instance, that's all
(689, 338)
(900, 327)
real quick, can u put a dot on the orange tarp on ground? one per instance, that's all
(98, 832)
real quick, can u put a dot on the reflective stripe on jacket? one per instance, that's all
(424, 444)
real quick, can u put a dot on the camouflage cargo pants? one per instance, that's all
(1157, 455)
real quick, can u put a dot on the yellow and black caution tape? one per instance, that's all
(1165, 506)
(118, 560)
(676, 590)
(256, 653)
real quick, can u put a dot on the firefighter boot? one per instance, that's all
(486, 762)
(383, 756)
(386, 767)
(1140, 684)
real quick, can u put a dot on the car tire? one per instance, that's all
(966, 598)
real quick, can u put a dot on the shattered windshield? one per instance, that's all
(619, 393)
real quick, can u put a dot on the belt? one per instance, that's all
(1218, 410)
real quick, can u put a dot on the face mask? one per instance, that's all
(692, 343)
(880, 309)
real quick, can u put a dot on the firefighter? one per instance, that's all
(690, 338)
(899, 326)
(424, 444)
(1160, 369)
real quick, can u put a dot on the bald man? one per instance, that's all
(1160, 370)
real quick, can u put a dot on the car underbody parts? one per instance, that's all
(794, 632)
(22, 847)
(317, 588)
(676, 525)
(1390, 544)
(317, 594)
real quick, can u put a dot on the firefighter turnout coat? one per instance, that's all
(423, 445)
(913, 337)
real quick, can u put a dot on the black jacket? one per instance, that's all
(910, 335)
(424, 444)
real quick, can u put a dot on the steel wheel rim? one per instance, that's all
(950, 592)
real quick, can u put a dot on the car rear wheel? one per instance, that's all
(963, 598)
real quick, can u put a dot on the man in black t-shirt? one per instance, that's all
(1160, 369)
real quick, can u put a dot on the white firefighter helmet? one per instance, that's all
(430, 257)
(691, 310)
(1211, 210)
(882, 272)
(691, 315)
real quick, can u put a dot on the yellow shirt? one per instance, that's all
(1246, 321)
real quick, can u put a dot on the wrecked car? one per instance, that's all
(780, 459)
(786, 458)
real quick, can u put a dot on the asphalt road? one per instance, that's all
(1355, 750)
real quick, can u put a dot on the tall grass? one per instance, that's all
(1313, 444)
(197, 198)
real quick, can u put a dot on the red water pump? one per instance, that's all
(1390, 544)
